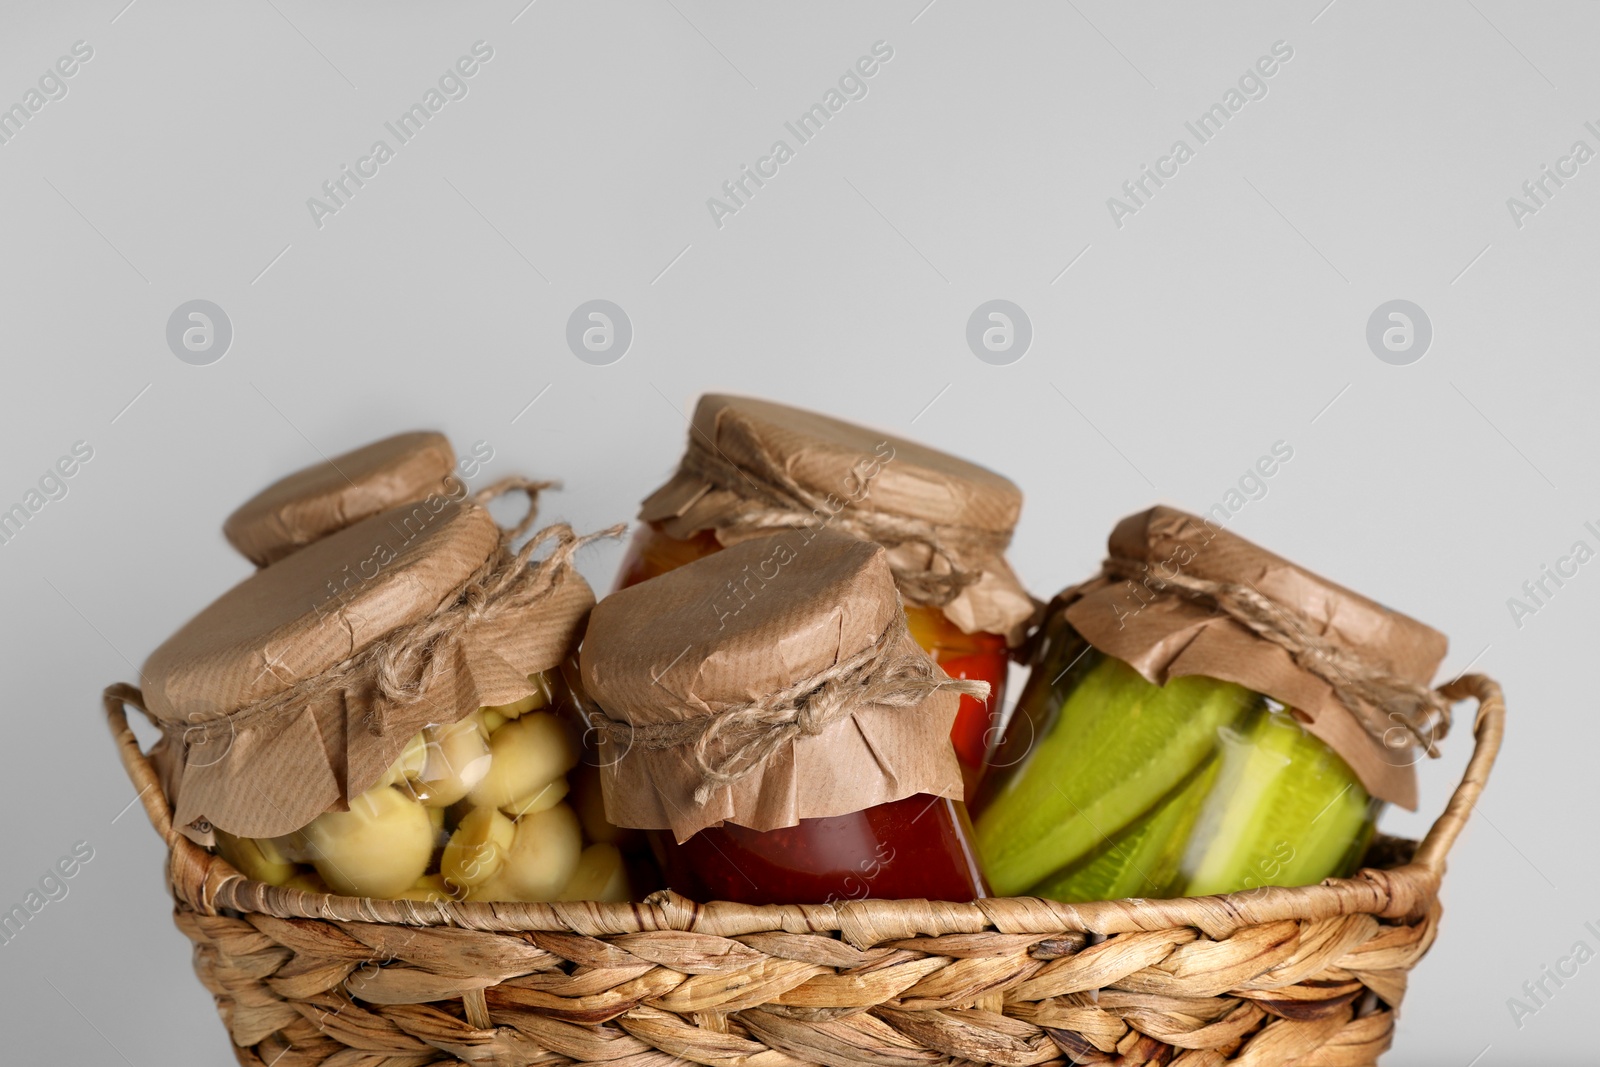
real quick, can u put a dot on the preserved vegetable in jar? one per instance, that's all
(1168, 742)
(753, 466)
(793, 751)
(407, 734)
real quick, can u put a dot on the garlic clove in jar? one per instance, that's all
(478, 848)
(256, 858)
(600, 876)
(458, 759)
(547, 796)
(378, 848)
(544, 854)
(528, 753)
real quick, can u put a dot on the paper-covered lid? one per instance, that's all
(1146, 611)
(298, 687)
(753, 466)
(765, 624)
(310, 504)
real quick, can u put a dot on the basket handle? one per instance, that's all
(1487, 731)
(140, 770)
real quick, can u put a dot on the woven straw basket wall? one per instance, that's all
(1306, 976)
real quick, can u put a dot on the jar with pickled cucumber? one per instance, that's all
(753, 466)
(1165, 746)
(314, 731)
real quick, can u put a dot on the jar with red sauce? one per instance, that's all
(787, 749)
(753, 466)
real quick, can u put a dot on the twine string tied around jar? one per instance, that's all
(740, 739)
(402, 668)
(1380, 700)
(771, 499)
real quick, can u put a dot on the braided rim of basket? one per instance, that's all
(209, 884)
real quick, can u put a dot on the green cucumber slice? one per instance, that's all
(1141, 861)
(1286, 811)
(1117, 745)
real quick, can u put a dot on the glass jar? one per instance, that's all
(1289, 710)
(858, 809)
(480, 809)
(1109, 786)
(319, 725)
(979, 656)
(753, 466)
(918, 847)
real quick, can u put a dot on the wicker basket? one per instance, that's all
(1310, 975)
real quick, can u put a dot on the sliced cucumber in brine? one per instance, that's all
(1118, 745)
(1286, 811)
(1141, 861)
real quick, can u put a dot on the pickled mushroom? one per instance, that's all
(255, 858)
(430, 888)
(527, 754)
(409, 764)
(544, 854)
(477, 849)
(547, 796)
(458, 759)
(307, 881)
(378, 848)
(600, 876)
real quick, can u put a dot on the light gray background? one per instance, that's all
(1226, 315)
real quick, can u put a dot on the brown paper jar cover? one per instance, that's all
(1164, 635)
(826, 456)
(262, 775)
(310, 504)
(661, 651)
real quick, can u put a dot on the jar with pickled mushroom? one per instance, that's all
(1187, 728)
(383, 713)
(792, 753)
(753, 466)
